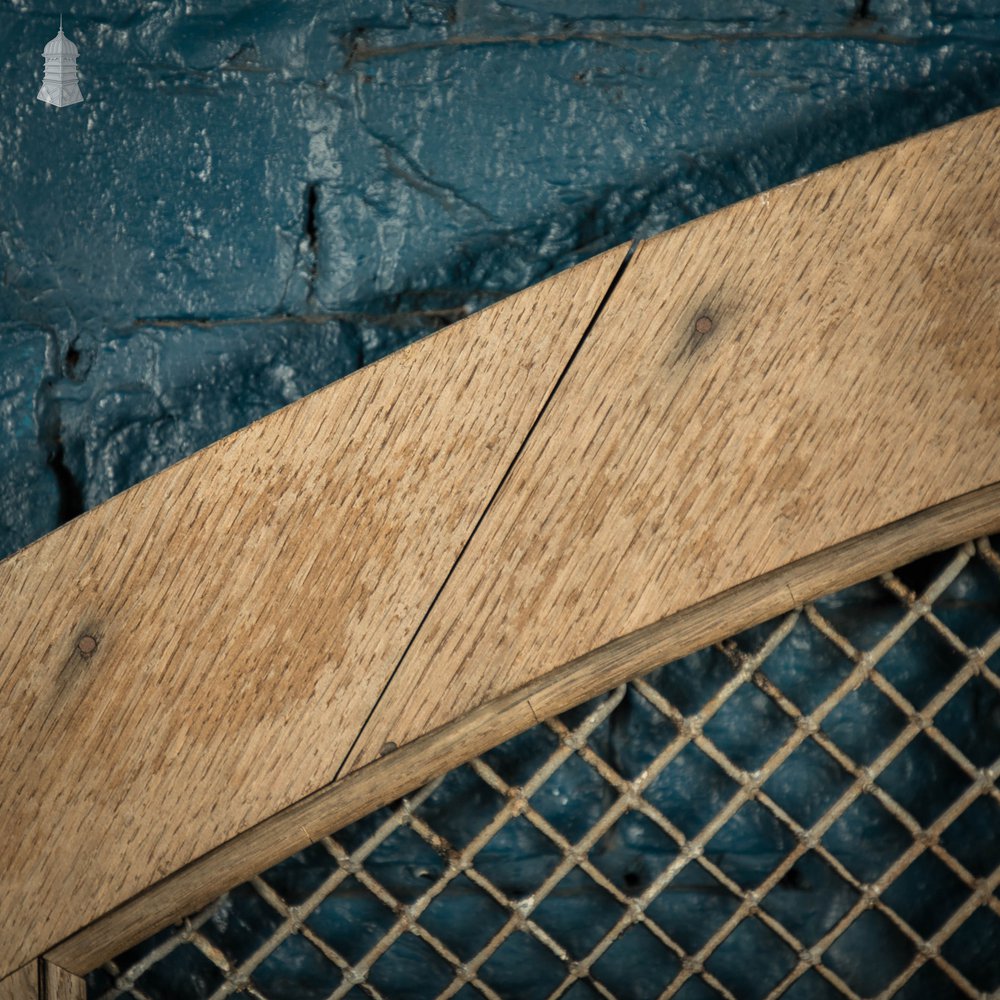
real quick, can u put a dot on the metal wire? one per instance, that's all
(803, 820)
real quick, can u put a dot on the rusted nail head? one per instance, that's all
(86, 644)
(703, 324)
(387, 748)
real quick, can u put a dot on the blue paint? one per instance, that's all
(257, 198)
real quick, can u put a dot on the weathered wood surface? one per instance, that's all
(763, 387)
(199, 652)
(400, 772)
(763, 384)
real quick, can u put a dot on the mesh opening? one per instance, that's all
(809, 809)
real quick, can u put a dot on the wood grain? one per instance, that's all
(199, 652)
(22, 984)
(407, 768)
(763, 384)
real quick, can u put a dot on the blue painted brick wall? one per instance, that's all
(257, 197)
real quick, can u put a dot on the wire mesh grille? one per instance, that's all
(808, 809)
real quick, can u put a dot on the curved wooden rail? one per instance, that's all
(611, 468)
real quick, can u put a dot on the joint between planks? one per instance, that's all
(612, 285)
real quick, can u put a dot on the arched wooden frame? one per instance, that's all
(615, 467)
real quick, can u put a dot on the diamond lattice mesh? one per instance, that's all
(809, 809)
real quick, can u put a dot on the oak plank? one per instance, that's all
(763, 384)
(199, 652)
(409, 767)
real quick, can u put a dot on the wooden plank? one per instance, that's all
(403, 770)
(940, 395)
(763, 384)
(675, 465)
(199, 652)
(22, 984)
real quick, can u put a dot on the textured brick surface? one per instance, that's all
(256, 197)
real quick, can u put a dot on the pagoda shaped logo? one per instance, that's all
(59, 86)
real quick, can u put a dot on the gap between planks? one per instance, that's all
(489, 505)
(409, 767)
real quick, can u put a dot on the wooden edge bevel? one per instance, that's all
(400, 772)
(42, 980)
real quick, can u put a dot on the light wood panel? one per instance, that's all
(199, 652)
(405, 769)
(763, 384)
